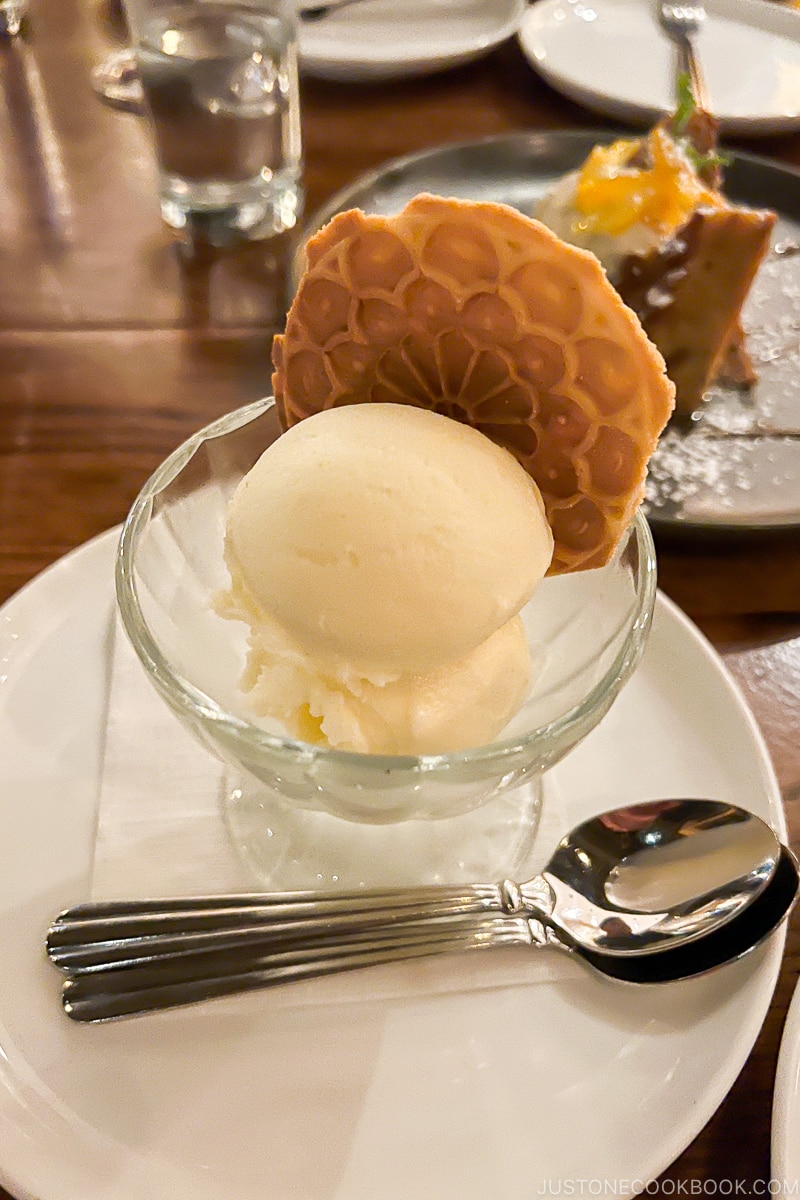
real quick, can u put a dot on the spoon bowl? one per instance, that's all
(725, 944)
(642, 879)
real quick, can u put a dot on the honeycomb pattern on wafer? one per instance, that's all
(480, 313)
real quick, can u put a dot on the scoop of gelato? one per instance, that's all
(380, 554)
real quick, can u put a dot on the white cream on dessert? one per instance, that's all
(557, 211)
(629, 198)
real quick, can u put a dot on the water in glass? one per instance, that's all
(220, 83)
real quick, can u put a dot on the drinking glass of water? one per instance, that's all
(219, 84)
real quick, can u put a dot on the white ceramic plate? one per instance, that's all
(786, 1103)
(391, 39)
(500, 1092)
(611, 56)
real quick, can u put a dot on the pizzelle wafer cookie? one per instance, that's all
(478, 312)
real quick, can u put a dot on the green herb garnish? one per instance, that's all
(704, 162)
(686, 104)
(684, 111)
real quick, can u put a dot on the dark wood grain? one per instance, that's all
(117, 341)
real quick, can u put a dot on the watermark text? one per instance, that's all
(670, 1187)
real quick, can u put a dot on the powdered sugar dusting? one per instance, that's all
(738, 463)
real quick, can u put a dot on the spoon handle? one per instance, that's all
(103, 995)
(95, 935)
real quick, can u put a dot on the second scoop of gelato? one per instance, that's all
(380, 554)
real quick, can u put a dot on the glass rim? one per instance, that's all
(181, 694)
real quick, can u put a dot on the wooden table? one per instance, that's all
(115, 343)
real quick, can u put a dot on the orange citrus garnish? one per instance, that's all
(611, 195)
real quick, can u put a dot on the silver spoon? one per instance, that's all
(129, 991)
(632, 882)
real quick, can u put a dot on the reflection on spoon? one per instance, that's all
(725, 945)
(660, 876)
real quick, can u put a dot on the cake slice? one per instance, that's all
(689, 297)
(679, 253)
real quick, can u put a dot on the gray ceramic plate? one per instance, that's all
(738, 468)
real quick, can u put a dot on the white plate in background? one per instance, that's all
(786, 1103)
(612, 57)
(502, 1092)
(392, 39)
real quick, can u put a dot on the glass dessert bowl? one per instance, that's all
(305, 815)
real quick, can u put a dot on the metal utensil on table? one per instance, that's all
(12, 17)
(682, 23)
(130, 991)
(629, 881)
(633, 882)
